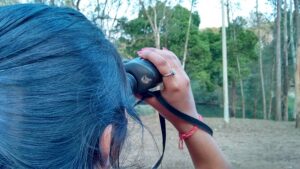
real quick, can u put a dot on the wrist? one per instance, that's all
(183, 136)
(183, 126)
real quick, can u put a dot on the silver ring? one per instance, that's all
(171, 73)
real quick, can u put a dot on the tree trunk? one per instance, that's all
(278, 64)
(156, 30)
(255, 108)
(233, 99)
(157, 40)
(297, 73)
(239, 70)
(261, 72)
(292, 38)
(271, 90)
(242, 87)
(228, 11)
(154, 23)
(262, 80)
(187, 36)
(292, 49)
(286, 66)
(224, 55)
(297, 86)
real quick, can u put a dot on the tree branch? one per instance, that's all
(77, 4)
(147, 15)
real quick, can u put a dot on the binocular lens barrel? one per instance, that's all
(142, 75)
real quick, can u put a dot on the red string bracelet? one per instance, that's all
(188, 134)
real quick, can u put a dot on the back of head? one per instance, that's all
(61, 84)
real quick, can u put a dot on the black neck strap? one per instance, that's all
(177, 113)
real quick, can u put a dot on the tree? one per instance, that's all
(292, 47)
(237, 57)
(204, 63)
(203, 72)
(232, 37)
(261, 72)
(286, 83)
(297, 73)
(188, 34)
(139, 33)
(271, 89)
(155, 22)
(241, 55)
(225, 80)
(242, 87)
(104, 17)
(278, 63)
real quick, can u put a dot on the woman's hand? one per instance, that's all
(177, 90)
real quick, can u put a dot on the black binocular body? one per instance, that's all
(142, 75)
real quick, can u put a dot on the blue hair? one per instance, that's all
(61, 84)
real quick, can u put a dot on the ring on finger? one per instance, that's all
(171, 73)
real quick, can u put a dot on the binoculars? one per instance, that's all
(142, 75)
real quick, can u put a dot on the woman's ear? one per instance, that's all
(104, 145)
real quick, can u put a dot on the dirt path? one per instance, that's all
(248, 144)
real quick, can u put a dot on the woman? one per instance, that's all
(63, 94)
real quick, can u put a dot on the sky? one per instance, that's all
(209, 10)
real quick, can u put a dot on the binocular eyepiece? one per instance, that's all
(142, 75)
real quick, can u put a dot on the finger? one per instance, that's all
(169, 54)
(162, 65)
(154, 57)
(170, 57)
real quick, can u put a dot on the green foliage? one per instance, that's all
(204, 54)
(204, 60)
(138, 34)
(242, 44)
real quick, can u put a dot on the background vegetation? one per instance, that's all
(261, 50)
